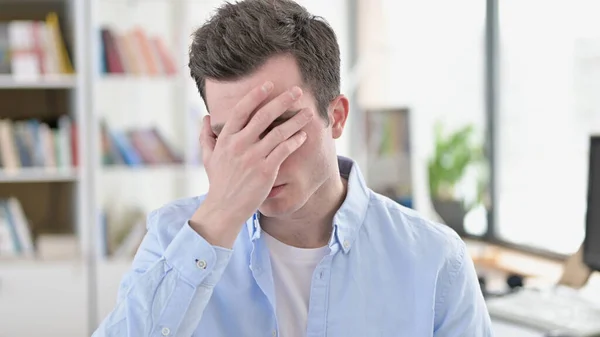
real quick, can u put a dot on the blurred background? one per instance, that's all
(477, 113)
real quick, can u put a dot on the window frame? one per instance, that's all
(491, 93)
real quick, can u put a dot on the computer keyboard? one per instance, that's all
(548, 310)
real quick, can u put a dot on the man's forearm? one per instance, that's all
(169, 297)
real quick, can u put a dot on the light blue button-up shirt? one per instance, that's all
(389, 273)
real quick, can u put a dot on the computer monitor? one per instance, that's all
(591, 244)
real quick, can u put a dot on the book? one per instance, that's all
(31, 49)
(134, 52)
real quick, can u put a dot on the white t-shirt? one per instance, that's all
(292, 275)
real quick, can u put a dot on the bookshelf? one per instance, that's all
(41, 99)
(140, 89)
(56, 183)
(44, 180)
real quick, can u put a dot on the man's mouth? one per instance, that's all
(276, 190)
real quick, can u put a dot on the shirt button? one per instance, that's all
(165, 331)
(274, 333)
(346, 244)
(201, 264)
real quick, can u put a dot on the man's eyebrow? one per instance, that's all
(217, 128)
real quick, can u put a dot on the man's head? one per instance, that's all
(250, 42)
(242, 36)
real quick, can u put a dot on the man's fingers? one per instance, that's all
(263, 118)
(284, 131)
(245, 107)
(285, 149)
(208, 139)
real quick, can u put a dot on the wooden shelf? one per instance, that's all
(134, 81)
(39, 175)
(50, 82)
(148, 168)
(136, 77)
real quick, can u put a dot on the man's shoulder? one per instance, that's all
(410, 231)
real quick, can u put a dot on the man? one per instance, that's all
(288, 241)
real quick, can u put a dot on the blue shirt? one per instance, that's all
(389, 273)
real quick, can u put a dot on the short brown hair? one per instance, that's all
(240, 37)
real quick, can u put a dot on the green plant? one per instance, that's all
(453, 155)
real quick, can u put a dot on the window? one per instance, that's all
(548, 62)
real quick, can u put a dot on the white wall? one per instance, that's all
(427, 55)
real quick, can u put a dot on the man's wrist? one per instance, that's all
(215, 225)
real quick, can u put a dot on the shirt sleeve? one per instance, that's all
(166, 290)
(460, 310)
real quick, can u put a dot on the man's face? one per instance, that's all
(302, 173)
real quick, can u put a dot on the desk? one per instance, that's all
(504, 329)
(496, 263)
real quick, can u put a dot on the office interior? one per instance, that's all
(483, 115)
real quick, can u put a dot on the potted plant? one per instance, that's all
(454, 154)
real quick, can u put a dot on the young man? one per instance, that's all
(288, 241)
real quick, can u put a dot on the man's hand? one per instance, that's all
(243, 163)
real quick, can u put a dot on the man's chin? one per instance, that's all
(275, 207)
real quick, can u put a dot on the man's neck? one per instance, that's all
(310, 226)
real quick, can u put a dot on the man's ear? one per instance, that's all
(339, 108)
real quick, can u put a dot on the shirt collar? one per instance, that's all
(350, 216)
